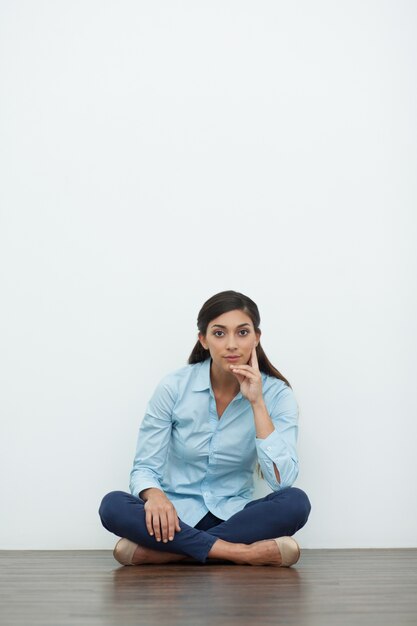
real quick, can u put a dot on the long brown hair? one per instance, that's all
(224, 302)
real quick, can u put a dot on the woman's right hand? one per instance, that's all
(161, 516)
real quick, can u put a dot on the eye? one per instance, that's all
(243, 330)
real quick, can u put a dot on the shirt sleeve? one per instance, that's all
(153, 440)
(280, 446)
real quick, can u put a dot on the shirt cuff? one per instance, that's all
(139, 483)
(271, 447)
(272, 450)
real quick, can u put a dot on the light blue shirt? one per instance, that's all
(206, 463)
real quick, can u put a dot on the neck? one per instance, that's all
(223, 382)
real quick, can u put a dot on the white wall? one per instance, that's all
(153, 154)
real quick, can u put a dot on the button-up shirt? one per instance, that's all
(206, 463)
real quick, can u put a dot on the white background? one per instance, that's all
(156, 153)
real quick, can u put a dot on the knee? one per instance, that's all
(109, 505)
(300, 504)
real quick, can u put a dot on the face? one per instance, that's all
(230, 334)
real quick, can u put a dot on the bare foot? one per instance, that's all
(143, 555)
(265, 552)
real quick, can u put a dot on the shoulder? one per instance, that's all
(273, 385)
(176, 380)
(278, 395)
(169, 389)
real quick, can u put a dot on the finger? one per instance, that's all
(254, 361)
(243, 367)
(245, 373)
(240, 370)
(156, 527)
(177, 524)
(171, 525)
(148, 520)
(164, 526)
(247, 376)
(238, 376)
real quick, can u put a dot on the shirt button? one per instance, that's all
(268, 448)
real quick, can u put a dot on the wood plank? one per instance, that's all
(326, 587)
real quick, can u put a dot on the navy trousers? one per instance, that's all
(278, 514)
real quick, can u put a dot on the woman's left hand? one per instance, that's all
(249, 377)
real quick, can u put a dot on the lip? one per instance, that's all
(232, 358)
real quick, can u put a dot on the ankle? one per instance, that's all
(226, 550)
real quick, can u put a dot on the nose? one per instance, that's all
(231, 343)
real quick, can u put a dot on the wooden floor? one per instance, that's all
(325, 587)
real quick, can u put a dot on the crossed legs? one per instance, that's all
(240, 539)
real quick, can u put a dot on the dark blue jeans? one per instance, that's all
(278, 514)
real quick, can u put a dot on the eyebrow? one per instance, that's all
(238, 326)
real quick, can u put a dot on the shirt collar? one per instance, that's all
(202, 379)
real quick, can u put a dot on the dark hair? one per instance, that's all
(224, 302)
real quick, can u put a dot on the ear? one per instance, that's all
(258, 337)
(203, 341)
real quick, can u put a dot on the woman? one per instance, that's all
(205, 426)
